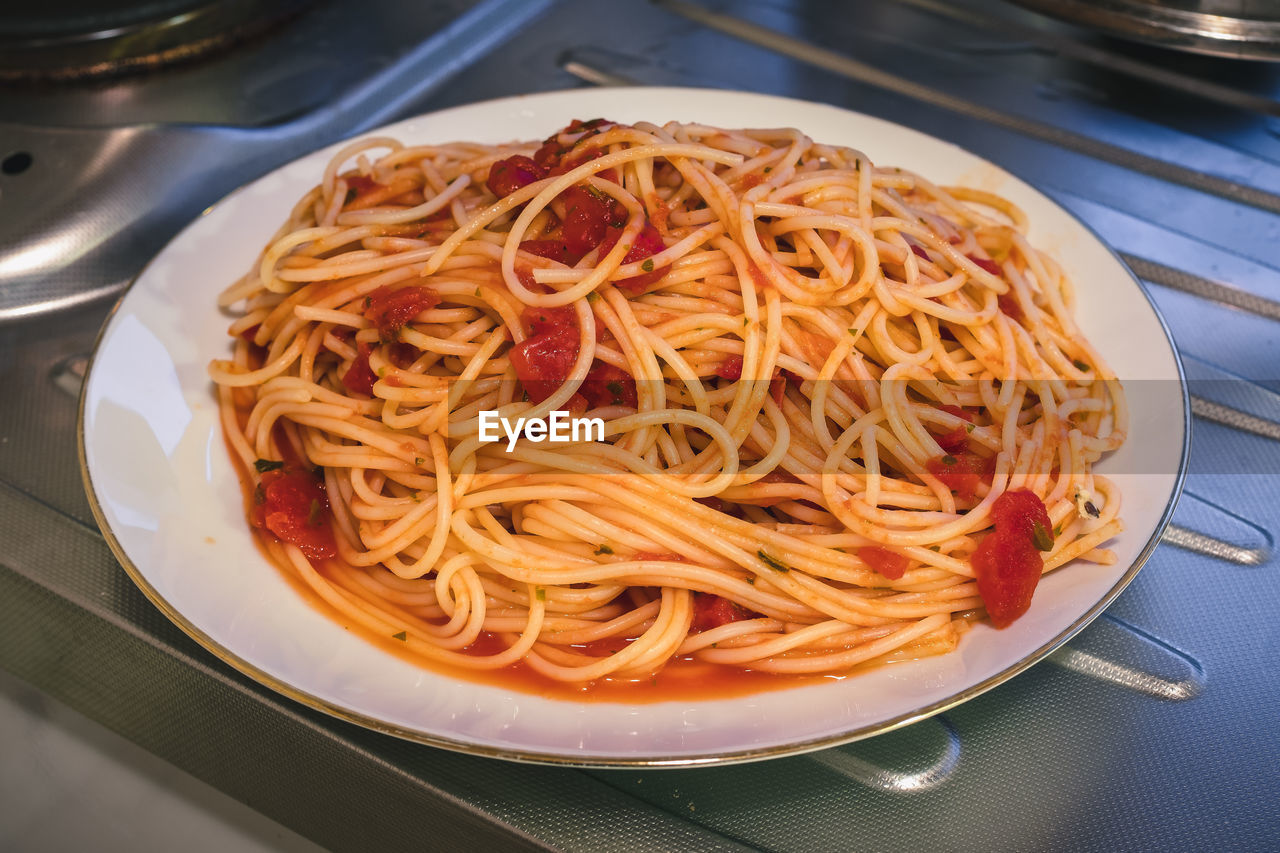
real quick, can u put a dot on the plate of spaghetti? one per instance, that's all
(646, 428)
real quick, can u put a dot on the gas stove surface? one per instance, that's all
(1153, 729)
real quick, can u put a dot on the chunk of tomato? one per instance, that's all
(1008, 563)
(543, 361)
(292, 504)
(730, 368)
(389, 309)
(962, 473)
(586, 219)
(985, 264)
(712, 611)
(538, 319)
(647, 244)
(359, 376)
(889, 564)
(552, 250)
(956, 440)
(507, 176)
(608, 385)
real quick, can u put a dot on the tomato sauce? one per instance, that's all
(886, 563)
(962, 472)
(360, 377)
(956, 440)
(389, 309)
(1008, 562)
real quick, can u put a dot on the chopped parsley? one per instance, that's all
(949, 460)
(593, 296)
(772, 562)
(1081, 366)
(264, 465)
(647, 266)
(603, 549)
(540, 593)
(855, 331)
(313, 515)
(615, 388)
(402, 636)
(1042, 538)
(768, 169)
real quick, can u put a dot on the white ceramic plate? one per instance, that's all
(168, 500)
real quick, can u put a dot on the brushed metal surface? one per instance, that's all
(96, 202)
(1152, 735)
(1239, 29)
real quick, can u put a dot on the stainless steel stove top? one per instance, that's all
(1155, 729)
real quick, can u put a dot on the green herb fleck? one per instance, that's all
(402, 636)
(751, 579)
(265, 465)
(417, 460)
(615, 388)
(949, 460)
(603, 549)
(368, 300)
(477, 293)
(968, 427)
(854, 331)
(540, 593)
(1081, 366)
(593, 296)
(647, 266)
(1042, 538)
(746, 321)
(935, 548)
(313, 516)
(771, 562)
(768, 169)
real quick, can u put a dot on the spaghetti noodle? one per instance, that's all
(845, 410)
